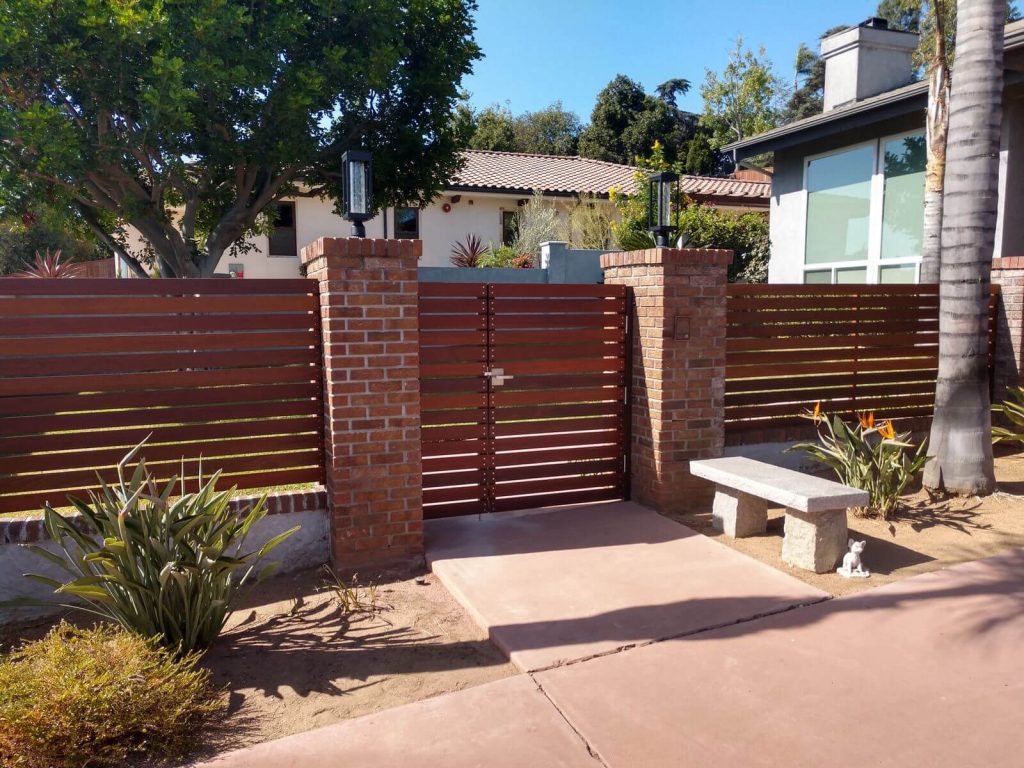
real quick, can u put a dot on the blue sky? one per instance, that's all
(539, 51)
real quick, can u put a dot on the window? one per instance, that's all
(407, 223)
(838, 206)
(282, 236)
(864, 207)
(508, 227)
(903, 198)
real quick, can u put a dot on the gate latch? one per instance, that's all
(497, 376)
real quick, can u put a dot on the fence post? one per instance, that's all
(370, 325)
(1008, 273)
(678, 369)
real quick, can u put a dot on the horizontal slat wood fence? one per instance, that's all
(223, 371)
(552, 433)
(851, 347)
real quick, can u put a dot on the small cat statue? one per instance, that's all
(852, 567)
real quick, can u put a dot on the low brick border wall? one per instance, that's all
(29, 530)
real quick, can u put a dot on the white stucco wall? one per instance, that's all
(475, 213)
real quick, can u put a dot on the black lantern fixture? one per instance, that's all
(661, 187)
(357, 189)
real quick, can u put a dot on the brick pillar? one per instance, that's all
(1008, 272)
(368, 306)
(678, 385)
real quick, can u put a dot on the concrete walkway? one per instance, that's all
(560, 586)
(924, 672)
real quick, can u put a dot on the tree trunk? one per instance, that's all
(961, 435)
(937, 125)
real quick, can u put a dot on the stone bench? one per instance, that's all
(816, 535)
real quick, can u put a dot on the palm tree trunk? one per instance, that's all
(961, 439)
(937, 128)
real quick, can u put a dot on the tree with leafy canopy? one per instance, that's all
(549, 131)
(41, 228)
(186, 120)
(626, 122)
(744, 99)
(807, 98)
(494, 129)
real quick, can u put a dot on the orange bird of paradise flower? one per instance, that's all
(887, 430)
(817, 410)
(867, 420)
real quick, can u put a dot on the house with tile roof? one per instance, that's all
(847, 200)
(482, 199)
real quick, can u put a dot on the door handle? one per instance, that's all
(497, 376)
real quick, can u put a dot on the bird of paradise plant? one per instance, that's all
(874, 458)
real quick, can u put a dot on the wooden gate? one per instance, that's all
(524, 400)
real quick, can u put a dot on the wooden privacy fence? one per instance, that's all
(523, 395)
(225, 370)
(852, 347)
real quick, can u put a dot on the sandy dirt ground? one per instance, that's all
(925, 537)
(290, 660)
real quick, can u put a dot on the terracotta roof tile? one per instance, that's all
(556, 174)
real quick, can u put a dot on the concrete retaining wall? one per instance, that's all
(307, 548)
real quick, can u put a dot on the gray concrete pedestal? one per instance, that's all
(738, 514)
(814, 541)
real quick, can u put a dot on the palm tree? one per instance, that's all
(961, 440)
(937, 125)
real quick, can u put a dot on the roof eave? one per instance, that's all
(856, 116)
(522, 191)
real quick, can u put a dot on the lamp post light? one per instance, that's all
(357, 189)
(659, 205)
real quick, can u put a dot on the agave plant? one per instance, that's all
(1013, 409)
(468, 253)
(159, 565)
(50, 265)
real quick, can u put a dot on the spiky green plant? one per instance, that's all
(1013, 409)
(161, 565)
(50, 265)
(872, 458)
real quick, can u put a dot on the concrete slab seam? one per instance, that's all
(583, 739)
(666, 638)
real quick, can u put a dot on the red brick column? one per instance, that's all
(678, 385)
(1008, 272)
(368, 304)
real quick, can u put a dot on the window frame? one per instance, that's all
(394, 222)
(294, 230)
(874, 261)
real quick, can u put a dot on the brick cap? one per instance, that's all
(360, 247)
(665, 256)
(1008, 262)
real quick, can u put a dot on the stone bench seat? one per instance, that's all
(815, 525)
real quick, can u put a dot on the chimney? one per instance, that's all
(866, 60)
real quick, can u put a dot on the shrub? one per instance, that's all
(1013, 409)
(587, 224)
(873, 458)
(468, 252)
(97, 697)
(161, 566)
(536, 222)
(506, 256)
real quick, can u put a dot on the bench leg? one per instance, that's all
(738, 514)
(814, 542)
